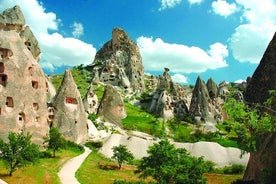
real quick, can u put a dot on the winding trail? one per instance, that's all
(68, 170)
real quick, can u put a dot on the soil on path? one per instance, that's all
(68, 170)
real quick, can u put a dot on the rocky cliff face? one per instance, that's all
(263, 80)
(69, 113)
(119, 63)
(112, 107)
(90, 101)
(23, 87)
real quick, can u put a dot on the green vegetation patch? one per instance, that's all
(138, 119)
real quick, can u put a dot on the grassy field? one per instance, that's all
(90, 172)
(43, 172)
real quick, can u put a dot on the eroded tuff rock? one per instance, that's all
(112, 107)
(170, 99)
(263, 80)
(212, 88)
(12, 19)
(119, 63)
(204, 108)
(91, 101)
(69, 113)
(23, 87)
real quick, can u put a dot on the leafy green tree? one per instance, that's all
(166, 164)
(18, 152)
(55, 140)
(255, 126)
(121, 154)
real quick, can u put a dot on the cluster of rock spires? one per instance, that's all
(28, 102)
(26, 93)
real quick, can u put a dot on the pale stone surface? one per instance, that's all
(69, 113)
(23, 89)
(112, 106)
(119, 63)
(90, 101)
(138, 145)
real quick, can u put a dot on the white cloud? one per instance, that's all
(191, 2)
(77, 30)
(221, 7)
(157, 54)
(251, 38)
(239, 81)
(57, 50)
(179, 78)
(168, 4)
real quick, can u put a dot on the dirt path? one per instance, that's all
(68, 170)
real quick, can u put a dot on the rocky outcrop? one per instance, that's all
(257, 92)
(23, 87)
(12, 19)
(203, 108)
(90, 101)
(212, 88)
(119, 63)
(69, 113)
(169, 99)
(30, 41)
(264, 78)
(112, 107)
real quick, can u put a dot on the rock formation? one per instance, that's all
(112, 107)
(23, 87)
(90, 101)
(170, 99)
(203, 108)
(69, 113)
(212, 88)
(263, 80)
(119, 63)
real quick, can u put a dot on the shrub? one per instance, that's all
(94, 145)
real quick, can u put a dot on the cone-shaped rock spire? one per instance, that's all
(70, 117)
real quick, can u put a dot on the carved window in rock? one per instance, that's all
(35, 84)
(3, 79)
(2, 67)
(9, 102)
(28, 44)
(5, 53)
(31, 71)
(70, 100)
(35, 106)
(0, 111)
(47, 86)
(21, 117)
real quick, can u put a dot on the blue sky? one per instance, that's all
(222, 39)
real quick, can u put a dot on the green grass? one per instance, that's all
(45, 171)
(138, 119)
(89, 172)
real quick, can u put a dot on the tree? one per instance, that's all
(255, 126)
(55, 140)
(166, 164)
(18, 152)
(121, 154)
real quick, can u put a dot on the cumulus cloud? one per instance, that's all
(168, 4)
(258, 25)
(191, 2)
(179, 58)
(57, 50)
(221, 7)
(77, 29)
(179, 78)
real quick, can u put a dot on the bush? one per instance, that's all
(73, 146)
(94, 145)
(234, 169)
(45, 154)
(243, 182)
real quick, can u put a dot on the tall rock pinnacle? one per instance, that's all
(23, 86)
(119, 63)
(70, 117)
